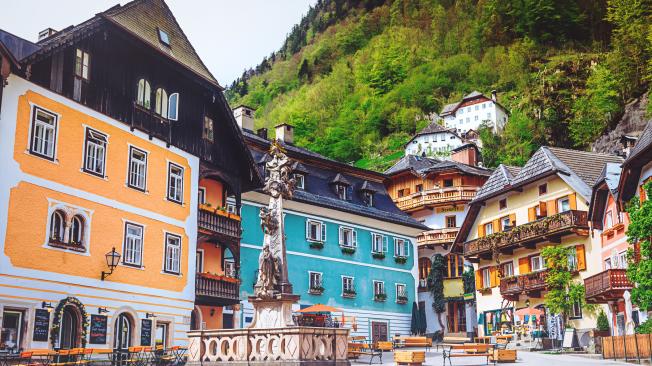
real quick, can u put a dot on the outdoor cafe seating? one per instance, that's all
(133, 356)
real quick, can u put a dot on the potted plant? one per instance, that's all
(316, 245)
(380, 297)
(602, 326)
(400, 259)
(378, 255)
(348, 293)
(316, 290)
(401, 299)
(348, 250)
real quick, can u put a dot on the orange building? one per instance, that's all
(114, 140)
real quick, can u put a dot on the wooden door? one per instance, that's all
(378, 332)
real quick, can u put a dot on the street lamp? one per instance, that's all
(112, 260)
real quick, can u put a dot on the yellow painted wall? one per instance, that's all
(214, 321)
(214, 194)
(69, 159)
(26, 242)
(453, 287)
(212, 258)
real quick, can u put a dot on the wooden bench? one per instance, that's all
(417, 342)
(357, 349)
(449, 341)
(410, 358)
(503, 355)
(477, 350)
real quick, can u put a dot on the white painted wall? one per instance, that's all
(435, 144)
(471, 117)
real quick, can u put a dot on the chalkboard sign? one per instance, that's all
(98, 329)
(41, 325)
(145, 332)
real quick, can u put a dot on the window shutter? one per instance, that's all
(496, 225)
(523, 265)
(340, 235)
(531, 214)
(512, 219)
(572, 201)
(307, 229)
(478, 279)
(385, 244)
(581, 257)
(551, 206)
(173, 107)
(354, 234)
(323, 231)
(543, 209)
(481, 231)
(493, 276)
(408, 244)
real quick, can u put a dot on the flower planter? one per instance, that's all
(349, 295)
(380, 297)
(378, 255)
(400, 260)
(316, 245)
(316, 291)
(401, 300)
(348, 250)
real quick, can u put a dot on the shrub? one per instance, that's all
(603, 322)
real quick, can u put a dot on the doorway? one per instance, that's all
(69, 335)
(378, 332)
(122, 333)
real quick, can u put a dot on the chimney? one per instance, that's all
(46, 33)
(245, 117)
(466, 154)
(262, 132)
(494, 97)
(285, 133)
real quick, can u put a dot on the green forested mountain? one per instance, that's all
(358, 78)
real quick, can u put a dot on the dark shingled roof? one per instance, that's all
(433, 127)
(423, 165)
(412, 162)
(340, 179)
(319, 189)
(19, 47)
(501, 178)
(644, 142)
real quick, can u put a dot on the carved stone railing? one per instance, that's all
(436, 196)
(543, 229)
(218, 224)
(437, 236)
(292, 345)
(606, 286)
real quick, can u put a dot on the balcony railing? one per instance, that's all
(216, 290)
(433, 197)
(437, 237)
(218, 224)
(545, 229)
(530, 283)
(151, 123)
(606, 286)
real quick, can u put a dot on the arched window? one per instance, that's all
(57, 222)
(76, 230)
(161, 102)
(144, 93)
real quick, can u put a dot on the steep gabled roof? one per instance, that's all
(501, 177)
(411, 162)
(433, 127)
(449, 108)
(643, 143)
(640, 155)
(606, 184)
(19, 48)
(455, 165)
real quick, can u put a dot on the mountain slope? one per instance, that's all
(357, 78)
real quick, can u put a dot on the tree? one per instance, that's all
(304, 70)
(639, 233)
(603, 322)
(436, 286)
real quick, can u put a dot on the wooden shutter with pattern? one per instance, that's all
(523, 265)
(581, 257)
(572, 201)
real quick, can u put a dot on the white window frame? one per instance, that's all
(80, 221)
(382, 287)
(351, 285)
(398, 293)
(229, 268)
(622, 260)
(133, 176)
(352, 237)
(369, 198)
(173, 107)
(319, 276)
(537, 259)
(374, 243)
(510, 272)
(95, 146)
(505, 220)
(43, 135)
(201, 195)
(486, 277)
(82, 64)
(199, 264)
(609, 220)
(135, 258)
(161, 102)
(341, 191)
(488, 228)
(576, 310)
(401, 248)
(572, 260)
(560, 204)
(300, 181)
(175, 183)
(172, 262)
(320, 231)
(208, 129)
(144, 93)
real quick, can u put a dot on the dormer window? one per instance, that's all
(368, 198)
(163, 37)
(342, 187)
(299, 180)
(341, 191)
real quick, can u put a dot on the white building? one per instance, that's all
(474, 109)
(434, 140)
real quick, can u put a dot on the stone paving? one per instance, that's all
(524, 358)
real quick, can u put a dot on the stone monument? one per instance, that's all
(272, 338)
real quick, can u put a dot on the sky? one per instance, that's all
(229, 35)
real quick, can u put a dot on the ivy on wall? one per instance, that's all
(56, 321)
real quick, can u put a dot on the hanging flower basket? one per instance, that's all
(348, 250)
(318, 290)
(400, 259)
(316, 245)
(378, 255)
(380, 297)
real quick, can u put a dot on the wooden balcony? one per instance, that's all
(436, 197)
(530, 284)
(221, 225)
(216, 290)
(547, 229)
(437, 237)
(606, 286)
(151, 123)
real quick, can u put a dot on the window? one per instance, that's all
(201, 199)
(543, 189)
(576, 311)
(341, 191)
(44, 130)
(378, 243)
(621, 260)
(508, 269)
(161, 334)
(536, 263)
(172, 253)
(403, 192)
(448, 182)
(299, 181)
(455, 264)
(94, 160)
(451, 221)
(137, 168)
(368, 198)
(477, 107)
(57, 221)
(10, 334)
(475, 118)
(133, 245)
(82, 64)
(173, 106)
(607, 263)
(76, 230)
(161, 106)
(400, 247)
(144, 95)
(163, 37)
(348, 237)
(199, 261)
(486, 278)
(315, 280)
(379, 288)
(315, 231)
(488, 228)
(484, 105)
(572, 261)
(419, 188)
(207, 134)
(424, 270)
(401, 293)
(232, 209)
(563, 204)
(608, 220)
(175, 183)
(505, 223)
(502, 204)
(347, 285)
(229, 268)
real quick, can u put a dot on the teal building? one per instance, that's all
(348, 246)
